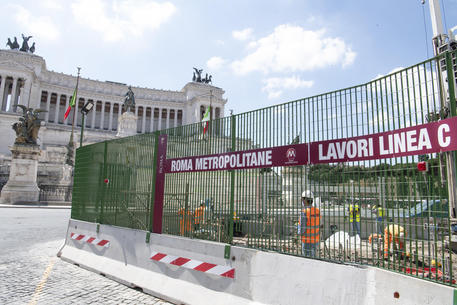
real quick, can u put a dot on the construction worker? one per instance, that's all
(185, 220)
(395, 235)
(354, 218)
(379, 212)
(199, 216)
(309, 225)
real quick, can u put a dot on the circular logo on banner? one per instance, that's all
(291, 154)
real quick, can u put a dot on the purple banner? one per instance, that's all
(160, 184)
(290, 155)
(417, 140)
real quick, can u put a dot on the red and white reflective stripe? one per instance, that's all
(225, 271)
(90, 240)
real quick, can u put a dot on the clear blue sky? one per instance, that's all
(260, 52)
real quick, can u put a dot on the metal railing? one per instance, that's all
(261, 207)
(55, 193)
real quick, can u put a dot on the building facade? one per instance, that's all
(25, 80)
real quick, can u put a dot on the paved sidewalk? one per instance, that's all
(31, 273)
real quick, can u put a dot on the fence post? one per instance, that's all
(451, 156)
(105, 185)
(232, 180)
(154, 179)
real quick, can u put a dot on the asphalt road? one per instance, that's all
(30, 272)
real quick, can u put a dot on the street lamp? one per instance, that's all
(84, 111)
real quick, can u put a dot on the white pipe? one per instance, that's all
(435, 14)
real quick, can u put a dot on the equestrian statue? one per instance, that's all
(129, 100)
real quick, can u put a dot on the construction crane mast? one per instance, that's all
(441, 44)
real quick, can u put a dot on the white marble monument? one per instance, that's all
(22, 183)
(127, 125)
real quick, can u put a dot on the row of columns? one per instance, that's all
(13, 91)
(161, 112)
(98, 118)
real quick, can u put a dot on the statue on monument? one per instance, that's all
(28, 126)
(127, 124)
(129, 101)
(14, 45)
(25, 45)
(198, 74)
(197, 77)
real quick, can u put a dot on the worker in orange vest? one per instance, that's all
(185, 221)
(309, 225)
(395, 235)
(199, 216)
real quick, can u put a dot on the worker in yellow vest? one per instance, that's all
(379, 212)
(309, 225)
(354, 218)
(395, 235)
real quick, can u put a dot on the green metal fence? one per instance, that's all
(113, 184)
(261, 208)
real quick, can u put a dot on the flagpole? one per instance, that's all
(76, 101)
(71, 144)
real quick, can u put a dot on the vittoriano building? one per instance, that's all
(26, 80)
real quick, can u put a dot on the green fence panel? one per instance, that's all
(261, 208)
(88, 187)
(114, 182)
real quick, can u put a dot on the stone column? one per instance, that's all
(35, 95)
(175, 123)
(119, 113)
(25, 94)
(21, 93)
(102, 117)
(2, 92)
(159, 127)
(94, 112)
(110, 122)
(13, 95)
(56, 114)
(143, 122)
(151, 127)
(48, 106)
(22, 182)
(136, 114)
(168, 118)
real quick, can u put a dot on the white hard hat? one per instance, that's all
(307, 194)
(401, 235)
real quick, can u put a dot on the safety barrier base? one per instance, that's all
(179, 274)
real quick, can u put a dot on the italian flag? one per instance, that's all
(72, 103)
(205, 120)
